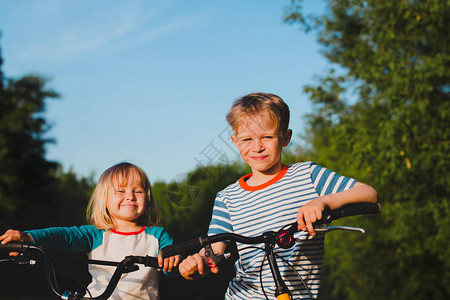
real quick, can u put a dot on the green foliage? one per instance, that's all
(187, 203)
(383, 118)
(34, 192)
(69, 196)
(24, 171)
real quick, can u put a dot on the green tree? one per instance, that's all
(69, 198)
(187, 205)
(382, 115)
(187, 202)
(34, 192)
(24, 171)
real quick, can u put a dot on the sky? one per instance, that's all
(150, 82)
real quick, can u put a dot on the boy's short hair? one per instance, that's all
(256, 103)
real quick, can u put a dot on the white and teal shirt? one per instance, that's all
(252, 210)
(110, 245)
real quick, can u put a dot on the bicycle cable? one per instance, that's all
(298, 274)
(73, 278)
(286, 262)
(260, 276)
(261, 267)
(49, 277)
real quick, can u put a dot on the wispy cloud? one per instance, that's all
(105, 29)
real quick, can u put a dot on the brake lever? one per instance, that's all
(23, 259)
(345, 228)
(213, 259)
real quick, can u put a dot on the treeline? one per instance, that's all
(381, 116)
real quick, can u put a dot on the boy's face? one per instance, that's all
(260, 143)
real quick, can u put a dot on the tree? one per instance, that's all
(24, 171)
(187, 206)
(34, 192)
(382, 115)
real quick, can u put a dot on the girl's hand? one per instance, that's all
(15, 235)
(167, 264)
(310, 213)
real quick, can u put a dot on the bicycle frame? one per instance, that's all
(128, 264)
(284, 238)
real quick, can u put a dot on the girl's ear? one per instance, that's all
(287, 137)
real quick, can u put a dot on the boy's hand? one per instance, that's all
(15, 235)
(195, 266)
(310, 213)
(167, 264)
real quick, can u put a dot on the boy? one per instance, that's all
(271, 196)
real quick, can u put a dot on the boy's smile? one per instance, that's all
(260, 144)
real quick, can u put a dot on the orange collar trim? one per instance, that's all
(245, 186)
(128, 233)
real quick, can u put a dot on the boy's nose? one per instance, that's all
(257, 145)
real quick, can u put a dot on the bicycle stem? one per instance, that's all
(280, 287)
(281, 290)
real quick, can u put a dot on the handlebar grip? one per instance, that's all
(13, 247)
(183, 247)
(350, 210)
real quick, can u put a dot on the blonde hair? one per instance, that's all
(256, 103)
(120, 175)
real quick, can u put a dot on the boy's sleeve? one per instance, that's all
(220, 220)
(65, 238)
(328, 182)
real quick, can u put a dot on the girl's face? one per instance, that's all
(126, 204)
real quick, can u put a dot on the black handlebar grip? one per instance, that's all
(182, 247)
(13, 247)
(351, 210)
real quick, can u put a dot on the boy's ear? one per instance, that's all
(234, 139)
(287, 137)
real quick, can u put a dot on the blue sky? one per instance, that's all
(150, 82)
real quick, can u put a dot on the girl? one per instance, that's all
(123, 213)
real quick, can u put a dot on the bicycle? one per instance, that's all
(283, 238)
(26, 257)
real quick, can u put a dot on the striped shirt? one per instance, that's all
(252, 210)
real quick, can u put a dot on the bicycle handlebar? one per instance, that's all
(328, 216)
(350, 210)
(14, 247)
(125, 266)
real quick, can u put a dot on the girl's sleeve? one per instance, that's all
(165, 239)
(65, 238)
